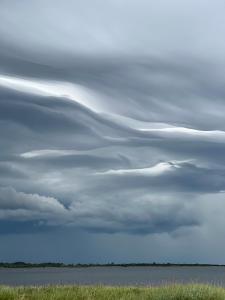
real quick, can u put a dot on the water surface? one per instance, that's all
(113, 275)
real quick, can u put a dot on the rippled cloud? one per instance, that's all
(112, 121)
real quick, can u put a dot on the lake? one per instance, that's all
(113, 275)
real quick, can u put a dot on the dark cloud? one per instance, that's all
(112, 124)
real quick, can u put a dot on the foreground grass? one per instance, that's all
(171, 292)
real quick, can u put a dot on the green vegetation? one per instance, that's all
(170, 292)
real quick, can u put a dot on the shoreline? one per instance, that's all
(23, 265)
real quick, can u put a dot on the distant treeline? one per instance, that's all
(21, 264)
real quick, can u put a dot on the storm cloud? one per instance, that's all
(112, 126)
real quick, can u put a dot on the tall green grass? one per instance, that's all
(170, 292)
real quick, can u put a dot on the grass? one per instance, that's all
(170, 292)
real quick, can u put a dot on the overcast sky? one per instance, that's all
(112, 131)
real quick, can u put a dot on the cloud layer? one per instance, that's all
(112, 121)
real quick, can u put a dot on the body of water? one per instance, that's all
(113, 275)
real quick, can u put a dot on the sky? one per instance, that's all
(112, 131)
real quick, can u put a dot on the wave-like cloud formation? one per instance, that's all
(64, 164)
(156, 170)
(112, 121)
(48, 88)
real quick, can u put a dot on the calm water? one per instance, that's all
(113, 275)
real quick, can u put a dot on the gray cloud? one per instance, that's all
(93, 215)
(10, 199)
(112, 121)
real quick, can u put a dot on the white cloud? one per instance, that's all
(71, 91)
(155, 170)
(182, 132)
(47, 152)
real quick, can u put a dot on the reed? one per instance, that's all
(169, 292)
